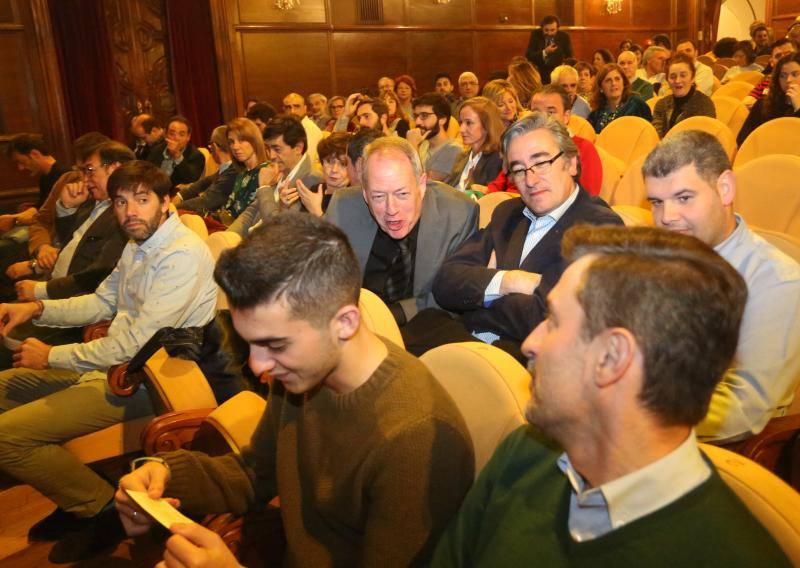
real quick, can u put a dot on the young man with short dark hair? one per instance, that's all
(437, 150)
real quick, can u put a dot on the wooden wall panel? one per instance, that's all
(261, 11)
(785, 7)
(429, 13)
(433, 52)
(595, 15)
(564, 9)
(7, 15)
(656, 14)
(19, 108)
(363, 57)
(264, 63)
(494, 12)
(494, 50)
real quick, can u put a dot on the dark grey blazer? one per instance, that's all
(448, 219)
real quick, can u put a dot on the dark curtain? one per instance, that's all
(87, 69)
(194, 66)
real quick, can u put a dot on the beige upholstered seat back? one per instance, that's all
(772, 502)
(579, 126)
(716, 128)
(627, 138)
(736, 89)
(487, 203)
(612, 172)
(196, 224)
(236, 418)
(377, 317)
(752, 77)
(730, 111)
(211, 166)
(489, 387)
(630, 189)
(218, 242)
(634, 216)
(777, 136)
(767, 195)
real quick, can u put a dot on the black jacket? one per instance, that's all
(536, 45)
(189, 170)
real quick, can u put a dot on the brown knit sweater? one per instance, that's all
(366, 478)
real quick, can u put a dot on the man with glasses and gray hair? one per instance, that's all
(498, 279)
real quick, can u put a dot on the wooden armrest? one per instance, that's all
(766, 447)
(172, 431)
(227, 526)
(124, 383)
(96, 331)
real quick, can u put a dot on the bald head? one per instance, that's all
(628, 62)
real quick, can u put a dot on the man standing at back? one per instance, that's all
(367, 452)
(691, 188)
(640, 328)
(548, 47)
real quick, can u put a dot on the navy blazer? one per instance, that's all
(461, 282)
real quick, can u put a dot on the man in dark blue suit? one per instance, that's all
(548, 47)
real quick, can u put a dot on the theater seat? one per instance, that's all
(211, 166)
(487, 204)
(490, 389)
(196, 224)
(777, 136)
(377, 317)
(767, 195)
(627, 138)
(716, 128)
(218, 242)
(730, 111)
(634, 216)
(752, 77)
(736, 89)
(630, 189)
(612, 172)
(770, 500)
(579, 126)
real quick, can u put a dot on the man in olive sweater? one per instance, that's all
(641, 327)
(367, 452)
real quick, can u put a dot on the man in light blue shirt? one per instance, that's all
(691, 188)
(163, 279)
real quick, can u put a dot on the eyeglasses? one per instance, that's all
(423, 115)
(88, 171)
(539, 168)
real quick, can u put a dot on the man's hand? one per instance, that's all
(27, 217)
(312, 200)
(7, 222)
(351, 103)
(415, 136)
(73, 194)
(267, 175)
(793, 95)
(19, 270)
(11, 315)
(550, 48)
(25, 290)
(32, 354)
(288, 195)
(195, 546)
(519, 282)
(172, 149)
(47, 256)
(151, 478)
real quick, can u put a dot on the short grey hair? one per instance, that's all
(690, 147)
(535, 121)
(388, 145)
(568, 69)
(318, 96)
(467, 75)
(650, 52)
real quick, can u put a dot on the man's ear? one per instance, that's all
(345, 322)
(726, 187)
(616, 353)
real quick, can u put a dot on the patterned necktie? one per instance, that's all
(398, 274)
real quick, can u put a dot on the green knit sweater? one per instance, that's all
(366, 478)
(517, 515)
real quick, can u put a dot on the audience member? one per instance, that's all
(780, 49)
(609, 473)
(333, 155)
(481, 129)
(566, 77)
(147, 132)
(724, 47)
(760, 36)
(793, 33)
(401, 226)
(250, 104)
(285, 139)
(385, 84)
(601, 58)
(373, 113)
(498, 279)
(548, 46)
(624, 45)
(503, 94)
(397, 122)
(406, 90)
(261, 114)
(335, 109)
(639, 53)
(663, 41)
(355, 152)
(684, 101)
(587, 76)
(319, 110)
(211, 193)
(525, 79)
(351, 419)
(163, 279)
(783, 98)
(654, 66)
(468, 86)
(629, 65)
(745, 59)
(612, 99)
(437, 151)
(444, 84)
(692, 188)
(704, 76)
(296, 105)
(176, 155)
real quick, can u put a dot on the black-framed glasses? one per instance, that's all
(539, 168)
(88, 171)
(423, 115)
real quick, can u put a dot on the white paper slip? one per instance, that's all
(159, 509)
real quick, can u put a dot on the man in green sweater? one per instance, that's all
(640, 328)
(367, 452)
